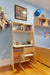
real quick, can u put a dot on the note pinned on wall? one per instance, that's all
(47, 36)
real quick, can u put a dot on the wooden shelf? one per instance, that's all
(42, 26)
(16, 46)
(42, 18)
(20, 27)
(23, 31)
(42, 22)
(16, 23)
(27, 25)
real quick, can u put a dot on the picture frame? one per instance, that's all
(20, 13)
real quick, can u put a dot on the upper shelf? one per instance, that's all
(42, 22)
(20, 27)
(16, 23)
(42, 26)
(22, 31)
(42, 18)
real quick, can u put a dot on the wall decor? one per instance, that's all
(20, 13)
(47, 35)
(4, 22)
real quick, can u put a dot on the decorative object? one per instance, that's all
(14, 43)
(17, 43)
(4, 22)
(47, 35)
(37, 12)
(31, 41)
(42, 15)
(28, 42)
(20, 13)
(1, 9)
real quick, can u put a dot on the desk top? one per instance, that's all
(27, 45)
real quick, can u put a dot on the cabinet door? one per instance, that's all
(29, 50)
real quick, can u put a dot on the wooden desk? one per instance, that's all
(22, 53)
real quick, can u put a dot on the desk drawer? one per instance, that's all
(29, 50)
(17, 53)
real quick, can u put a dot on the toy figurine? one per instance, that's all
(4, 22)
(17, 43)
(28, 42)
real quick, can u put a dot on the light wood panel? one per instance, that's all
(12, 58)
(29, 50)
(43, 55)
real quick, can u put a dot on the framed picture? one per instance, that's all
(20, 13)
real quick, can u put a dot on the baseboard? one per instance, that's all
(4, 62)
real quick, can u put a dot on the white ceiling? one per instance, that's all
(41, 3)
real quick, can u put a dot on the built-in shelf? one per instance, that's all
(22, 31)
(42, 18)
(19, 27)
(42, 22)
(42, 26)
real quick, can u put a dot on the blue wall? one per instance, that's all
(40, 40)
(8, 7)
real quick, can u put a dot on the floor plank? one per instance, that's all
(29, 70)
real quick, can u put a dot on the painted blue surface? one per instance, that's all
(40, 40)
(8, 7)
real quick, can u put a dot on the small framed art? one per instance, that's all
(20, 13)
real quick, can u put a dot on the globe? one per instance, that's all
(37, 12)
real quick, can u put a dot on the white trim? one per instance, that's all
(4, 62)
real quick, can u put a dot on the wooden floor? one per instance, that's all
(29, 70)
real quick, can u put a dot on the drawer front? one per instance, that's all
(29, 50)
(17, 53)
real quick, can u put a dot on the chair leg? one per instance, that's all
(21, 67)
(32, 64)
